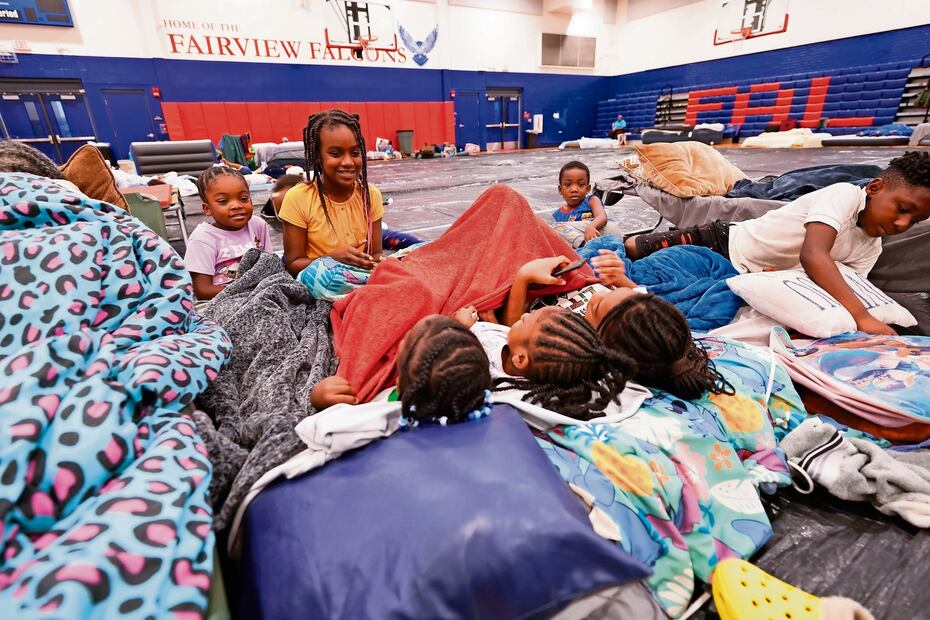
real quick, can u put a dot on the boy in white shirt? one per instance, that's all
(839, 223)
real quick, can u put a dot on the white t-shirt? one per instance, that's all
(493, 339)
(774, 240)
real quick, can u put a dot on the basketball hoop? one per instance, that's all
(742, 33)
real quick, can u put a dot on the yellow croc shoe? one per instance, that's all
(745, 592)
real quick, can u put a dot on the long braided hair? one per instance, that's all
(571, 371)
(443, 371)
(656, 334)
(313, 157)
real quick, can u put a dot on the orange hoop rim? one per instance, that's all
(364, 42)
(744, 33)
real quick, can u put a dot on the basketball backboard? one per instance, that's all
(360, 25)
(746, 19)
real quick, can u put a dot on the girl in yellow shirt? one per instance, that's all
(338, 214)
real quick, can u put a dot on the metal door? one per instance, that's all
(23, 119)
(130, 117)
(467, 111)
(512, 112)
(70, 121)
(50, 115)
(503, 108)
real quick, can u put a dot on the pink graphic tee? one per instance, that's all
(217, 252)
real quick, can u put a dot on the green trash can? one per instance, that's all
(405, 141)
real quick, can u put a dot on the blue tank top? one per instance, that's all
(581, 212)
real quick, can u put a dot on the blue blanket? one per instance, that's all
(796, 183)
(691, 278)
(103, 502)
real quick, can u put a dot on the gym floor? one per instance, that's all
(429, 194)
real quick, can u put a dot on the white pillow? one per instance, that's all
(791, 298)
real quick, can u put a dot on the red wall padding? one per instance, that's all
(433, 122)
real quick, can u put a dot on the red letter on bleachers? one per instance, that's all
(815, 100)
(695, 105)
(779, 111)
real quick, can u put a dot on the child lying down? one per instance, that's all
(648, 336)
(578, 364)
(554, 359)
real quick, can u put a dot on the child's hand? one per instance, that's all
(353, 255)
(539, 271)
(467, 316)
(591, 232)
(611, 270)
(488, 316)
(870, 325)
(332, 391)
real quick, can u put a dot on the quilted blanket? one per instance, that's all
(103, 502)
(678, 483)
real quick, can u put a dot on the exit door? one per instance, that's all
(130, 117)
(467, 118)
(52, 119)
(504, 110)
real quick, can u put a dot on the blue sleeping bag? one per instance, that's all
(690, 277)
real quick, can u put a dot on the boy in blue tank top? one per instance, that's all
(584, 210)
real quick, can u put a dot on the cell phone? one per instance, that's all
(561, 271)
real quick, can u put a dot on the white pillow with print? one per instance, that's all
(791, 298)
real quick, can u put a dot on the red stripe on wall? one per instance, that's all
(433, 122)
(173, 120)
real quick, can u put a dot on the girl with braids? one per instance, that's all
(654, 333)
(442, 375)
(214, 249)
(558, 362)
(336, 214)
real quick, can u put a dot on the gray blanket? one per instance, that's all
(685, 212)
(281, 349)
(858, 470)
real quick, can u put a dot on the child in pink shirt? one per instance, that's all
(215, 248)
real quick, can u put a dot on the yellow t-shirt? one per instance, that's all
(302, 208)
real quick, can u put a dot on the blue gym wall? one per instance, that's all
(573, 97)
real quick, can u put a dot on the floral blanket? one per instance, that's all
(103, 502)
(678, 483)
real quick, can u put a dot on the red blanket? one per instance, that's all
(472, 264)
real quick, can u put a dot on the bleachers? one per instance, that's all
(850, 98)
(638, 110)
